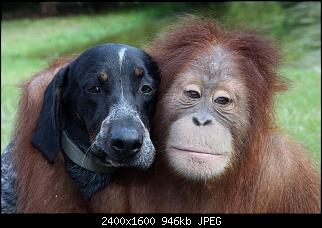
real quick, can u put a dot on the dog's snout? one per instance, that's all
(126, 140)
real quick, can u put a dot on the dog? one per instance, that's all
(96, 111)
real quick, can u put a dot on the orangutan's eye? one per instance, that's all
(223, 100)
(193, 94)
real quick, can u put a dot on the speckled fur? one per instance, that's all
(8, 182)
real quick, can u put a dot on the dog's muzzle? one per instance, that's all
(124, 141)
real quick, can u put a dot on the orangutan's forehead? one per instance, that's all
(215, 63)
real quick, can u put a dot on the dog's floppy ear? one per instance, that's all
(46, 135)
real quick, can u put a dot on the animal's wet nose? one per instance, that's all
(126, 140)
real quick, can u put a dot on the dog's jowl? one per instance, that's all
(96, 111)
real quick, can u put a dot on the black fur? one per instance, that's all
(70, 105)
(88, 181)
(46, 136)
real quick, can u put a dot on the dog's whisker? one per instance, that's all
(88, 149)
(85, 154)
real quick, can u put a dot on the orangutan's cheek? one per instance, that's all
(198, 153)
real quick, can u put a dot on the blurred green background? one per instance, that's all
(34, 34)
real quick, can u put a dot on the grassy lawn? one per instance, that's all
(298, 111)
(27, 46)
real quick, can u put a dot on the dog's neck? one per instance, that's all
(88, 181)
(80, 157)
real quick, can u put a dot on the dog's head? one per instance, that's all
(104, 100)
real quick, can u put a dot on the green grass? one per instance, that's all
(298, 110)
(27, 46)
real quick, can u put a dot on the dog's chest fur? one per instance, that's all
(8, 182)
(89, 182)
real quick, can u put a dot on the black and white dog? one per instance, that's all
(97, 111)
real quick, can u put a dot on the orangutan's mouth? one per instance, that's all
(195, 150)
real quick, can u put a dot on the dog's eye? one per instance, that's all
(146, 89)
(94, 89)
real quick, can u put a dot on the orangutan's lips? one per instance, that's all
(194, 151)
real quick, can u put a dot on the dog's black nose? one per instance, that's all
(126, 140)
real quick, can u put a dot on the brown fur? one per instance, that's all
(42, 187)
(103, 77)
(274, 174)
(283, 182)
(138, 72)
